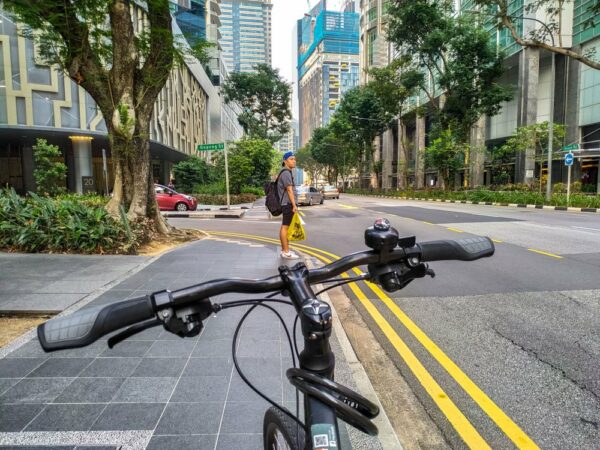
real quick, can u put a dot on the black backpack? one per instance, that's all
(273, 202)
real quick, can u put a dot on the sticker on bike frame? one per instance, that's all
(323, 436)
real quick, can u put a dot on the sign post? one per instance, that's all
(569, 163)
(214, 148)
(227, 178)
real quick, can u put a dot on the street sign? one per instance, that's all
(568, 148)
(210, 147)
(214, 148)
(569, 159)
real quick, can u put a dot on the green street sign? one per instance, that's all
(210, 147)
(568, 148)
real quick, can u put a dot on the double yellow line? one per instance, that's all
(457, 419)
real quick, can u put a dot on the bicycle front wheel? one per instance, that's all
(281, 432)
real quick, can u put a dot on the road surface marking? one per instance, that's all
(458, 420)
(301, 213)
(347, 206)
(497, 241)
(505, 423)
(545, 253)
(456, 230)
(588, 229)
(428, 223)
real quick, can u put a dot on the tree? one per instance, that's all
(250, 164)
(306, 162)
(98, 45)
(541, 37)
(462, 65)
(457, 55)
(191, 172)
(446, 154)
(265, 100)
(531, 139)
(364, 117)
(394, 85)
(334, 147)
(50, 172)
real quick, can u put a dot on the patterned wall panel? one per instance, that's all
(34, 95)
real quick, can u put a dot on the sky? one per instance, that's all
(285, 13)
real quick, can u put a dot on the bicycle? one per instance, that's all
(392, 262)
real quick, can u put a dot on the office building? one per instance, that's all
(289, 141)
(38, 101)
(245, 33)
(328, 52)
(528, 70)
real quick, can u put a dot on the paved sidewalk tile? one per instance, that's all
(185, 393)
(45, 282)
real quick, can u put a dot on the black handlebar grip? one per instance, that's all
(88, 325)
(462, 250)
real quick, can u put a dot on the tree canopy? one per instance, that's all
(548, 36)
(456, 54)
(265, 100)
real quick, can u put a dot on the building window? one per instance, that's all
(372, 14)
(371, 38)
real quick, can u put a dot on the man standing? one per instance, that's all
(287, 196)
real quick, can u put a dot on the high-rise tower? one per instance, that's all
(245, 33)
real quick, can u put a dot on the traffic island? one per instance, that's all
(213, 214)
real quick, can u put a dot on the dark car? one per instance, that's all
(170, 200)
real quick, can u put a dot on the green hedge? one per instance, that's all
(206, 199)
(219, 189)
(73, 224)
(485, 195)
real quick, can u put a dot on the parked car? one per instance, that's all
(308, 195)
(330, 192)
(170, 200)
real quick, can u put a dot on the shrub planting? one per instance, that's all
(65, 224)
(528, 197)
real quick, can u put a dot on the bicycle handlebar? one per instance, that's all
(88, 325)
(84, 327)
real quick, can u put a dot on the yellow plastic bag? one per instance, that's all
(296, 230)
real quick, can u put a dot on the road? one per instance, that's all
(510, 345)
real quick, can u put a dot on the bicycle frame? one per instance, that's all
(393, 262)
(316, 357)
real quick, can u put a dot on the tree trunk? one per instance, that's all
(134, 186)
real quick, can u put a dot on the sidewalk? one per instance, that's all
(51, 283)
(156, 390)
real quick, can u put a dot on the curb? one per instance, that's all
(469, 202)
(211, 214)
(26, 337)
(387, 436)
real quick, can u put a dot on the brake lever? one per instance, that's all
(134, 329)
(395, 277)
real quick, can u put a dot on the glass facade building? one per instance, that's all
(245, 33)
(328, 48)
(191, 18)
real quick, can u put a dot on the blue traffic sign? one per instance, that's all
(569, 159)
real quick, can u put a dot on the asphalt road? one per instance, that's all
(513, 341)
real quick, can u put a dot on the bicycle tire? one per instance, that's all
(280, 432)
